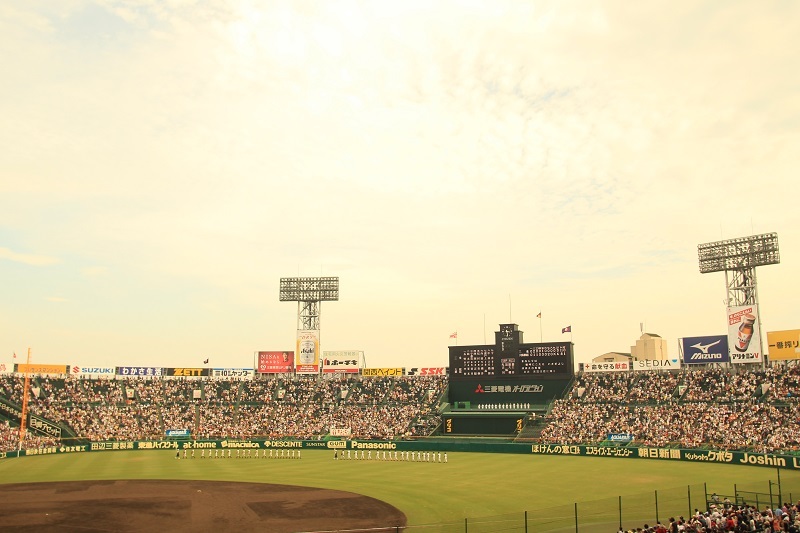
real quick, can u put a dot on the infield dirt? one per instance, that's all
(197, 506)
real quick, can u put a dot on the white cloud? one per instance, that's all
(453, 152)
(27, 259)
(94, 271)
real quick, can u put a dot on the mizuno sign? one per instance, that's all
(704, 350)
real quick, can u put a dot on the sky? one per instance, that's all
(458, 165)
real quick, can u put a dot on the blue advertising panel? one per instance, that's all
(704, 350)
(143, 371)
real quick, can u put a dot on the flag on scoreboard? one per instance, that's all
(454, 335)
(539, 315)
(567, 329)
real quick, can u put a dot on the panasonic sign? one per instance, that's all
(704, 350)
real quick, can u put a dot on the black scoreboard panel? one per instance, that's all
(473, 361)
(545, 359)
(482, 425)
(550, 359)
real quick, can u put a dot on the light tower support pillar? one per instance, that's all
(738, 258)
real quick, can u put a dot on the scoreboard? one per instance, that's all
(509, 357)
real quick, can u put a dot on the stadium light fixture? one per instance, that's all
(737, 254)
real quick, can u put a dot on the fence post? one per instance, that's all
(620, 512)
(526, 521)
(771, 504)
(780, 492)
(705, 493)
(689, 497)
(576, 517)
(465, 526)
(657, 520)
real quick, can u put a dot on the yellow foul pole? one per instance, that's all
(24, 415)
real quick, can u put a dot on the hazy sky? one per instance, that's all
(163, 163)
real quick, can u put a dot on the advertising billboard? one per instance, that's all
(608, 366)
(656, 364)
(237, 373)
(382, 372)
(41, 369)
(187, 372)
(341, 362)
(77, 370)
(784, 345)
(275, 362)
(140, 371)
(427, 371)
(307, 359)
(743, 338)
(704, 350)
(509, 390)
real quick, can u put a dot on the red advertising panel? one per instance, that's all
(275, 362)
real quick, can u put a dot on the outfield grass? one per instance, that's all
(470, 485)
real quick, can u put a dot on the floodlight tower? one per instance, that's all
(738, 258)
(308, 293)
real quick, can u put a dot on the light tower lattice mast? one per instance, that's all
(738, 258)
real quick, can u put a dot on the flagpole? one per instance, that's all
(540, 328)
(484, 328)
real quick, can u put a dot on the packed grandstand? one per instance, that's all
(716, 407)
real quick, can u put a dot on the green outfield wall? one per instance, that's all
(791, 462)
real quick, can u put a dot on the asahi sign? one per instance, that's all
(307, 361)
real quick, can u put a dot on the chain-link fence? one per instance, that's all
(608, 515)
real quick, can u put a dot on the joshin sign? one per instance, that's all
(743, 339)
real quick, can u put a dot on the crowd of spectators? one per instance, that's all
(300, 407)
(9, 439)
(718, 408)
(725, 516)
(759, 427)
(724, 408)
